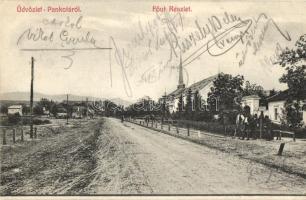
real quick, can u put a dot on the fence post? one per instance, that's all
(260, 128)
(188, 133)
(161, 125)
(177, 130)
(4, 136)
(152, 124)
(281, 148)
(156, 125)
(22, 135)
(293, 136)
(169, 128)
(14, 135)
(35, 132)
(199, 133)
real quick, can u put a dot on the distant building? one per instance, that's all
(276, 106)
(202, 87)
(61, 112)
(46, 111)
(252, 101)
(14, 109)
(78, 112)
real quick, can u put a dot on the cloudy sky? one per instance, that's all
(145, 46)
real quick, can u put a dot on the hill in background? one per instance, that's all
(25, 97)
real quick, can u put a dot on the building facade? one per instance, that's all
(14, 109)
(276, 107)
(252, 102)
(201, 87)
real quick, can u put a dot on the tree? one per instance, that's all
(14, 119)
(4, 109)
(38, 109)
(293, 60)
(272, 92)
(25, 109)
(253, 89)
(180, 103)
(111, 109)
(47, 104)
(197, 101)
(54, 109)
(225, 91)
(188, 102)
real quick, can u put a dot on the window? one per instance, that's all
(275, 113)
(193, 104)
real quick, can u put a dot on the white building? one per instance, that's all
(202, 87)
(14, 109)
(252, 102)
(276, 106)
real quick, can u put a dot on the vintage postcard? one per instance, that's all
(173, 99)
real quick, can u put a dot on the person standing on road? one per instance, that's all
(225, 122)
(246, 126)
(267, 128)
(239, 124)
(253, 125)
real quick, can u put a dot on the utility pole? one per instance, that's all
(86, 108)
(31, 97)
(67, 110)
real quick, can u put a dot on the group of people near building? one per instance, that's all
(247, 126)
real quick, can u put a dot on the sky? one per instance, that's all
(127, 50)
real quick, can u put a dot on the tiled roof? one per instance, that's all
(203, 83)
(194, 87)
(282, 96)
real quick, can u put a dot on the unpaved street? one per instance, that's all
(134, 160)
(105, 156)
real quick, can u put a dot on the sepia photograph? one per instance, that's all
(136, 98)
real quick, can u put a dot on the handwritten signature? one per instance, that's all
(165, 33)
(66, 36)
(254, 40)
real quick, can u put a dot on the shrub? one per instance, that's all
(39, 121)
(14, 119)
(27, 121)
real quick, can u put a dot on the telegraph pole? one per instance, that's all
(67, 110)
(86, 108)
(31, 97)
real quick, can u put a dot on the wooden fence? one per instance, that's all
(13, 134)
(214, 128)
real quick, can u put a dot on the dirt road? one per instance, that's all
(105, 156)
(136, 160)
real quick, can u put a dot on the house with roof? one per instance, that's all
(78, 112)
(202, 87)
(14, 109)
(276, 106)
(252, 101)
